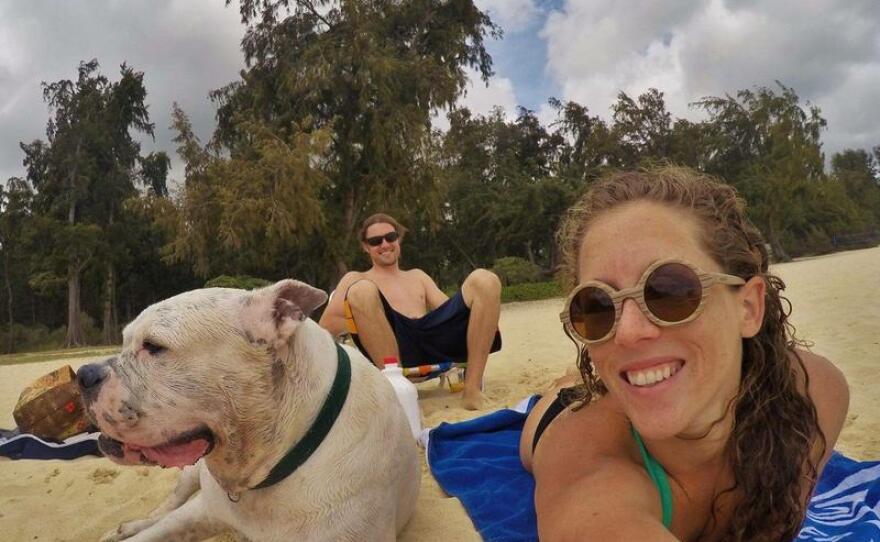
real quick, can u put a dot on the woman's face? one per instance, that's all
(702, 357)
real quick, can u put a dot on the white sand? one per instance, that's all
(836, 303)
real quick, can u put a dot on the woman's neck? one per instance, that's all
(698, 450)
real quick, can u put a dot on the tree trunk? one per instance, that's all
(111, 322)
(779, 253)
(530, 252)
(341, 269)
(348, 230)
(10, 345)
(75, 335)
(554, 259)
(110, 333)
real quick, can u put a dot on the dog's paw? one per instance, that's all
(126, 530)
(113, 536)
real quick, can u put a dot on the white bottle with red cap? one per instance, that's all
(407, 394)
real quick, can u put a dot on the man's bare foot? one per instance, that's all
(472, 399)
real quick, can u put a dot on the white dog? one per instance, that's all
(245, 387)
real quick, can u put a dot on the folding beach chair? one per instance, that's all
(451, 372)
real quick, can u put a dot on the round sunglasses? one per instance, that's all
(377, 240)
(670, 292)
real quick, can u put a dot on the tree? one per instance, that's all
(84, 171)
(768, 146)
(590, 148)
(238, 215)
(365, 76)
(505, 193)
(859, 172)
(125, 110)
(643, 127)
(154, 169)
(15, 202)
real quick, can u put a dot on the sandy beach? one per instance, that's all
(836, 306)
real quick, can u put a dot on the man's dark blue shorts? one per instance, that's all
(440, 335)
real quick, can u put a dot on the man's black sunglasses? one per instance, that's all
(377, 240)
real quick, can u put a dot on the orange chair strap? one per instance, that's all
(349, 318)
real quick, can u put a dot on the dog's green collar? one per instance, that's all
(319, 429)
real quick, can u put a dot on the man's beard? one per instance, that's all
(383, 260)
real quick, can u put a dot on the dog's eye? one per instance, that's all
(152, 348)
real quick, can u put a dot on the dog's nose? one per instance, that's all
(90, 376)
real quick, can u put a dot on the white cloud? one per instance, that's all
(185, 48)
(596, 51)
(510, 15)
(853, 105)
(827, 50)
(481, 99)
(809, 49)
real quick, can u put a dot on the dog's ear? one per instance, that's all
(274, 312)
(295, 301)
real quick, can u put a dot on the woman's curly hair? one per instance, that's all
(775, 425)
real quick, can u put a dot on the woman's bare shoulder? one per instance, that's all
(580, 440)
(587, 480)
(593, 427)
(830, 395)
(826, 382)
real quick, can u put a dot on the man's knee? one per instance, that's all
(483, 282)
(363, 294)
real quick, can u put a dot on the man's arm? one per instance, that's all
(434, 296)
(333, 319)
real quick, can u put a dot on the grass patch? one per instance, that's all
(49, 355)
(531, 291)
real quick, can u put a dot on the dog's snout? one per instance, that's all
(89, 377)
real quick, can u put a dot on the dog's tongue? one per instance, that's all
(175, 455)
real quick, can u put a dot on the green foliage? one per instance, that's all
(154, 172)
(814, 242)
(643, 127)
(341, 98)
(83, 173)
(531, 291)
(21, 338)
(504, 189)
(769, 147)
(240, 214)
(512, 270)
(18, 338)
(332, 121)
(240, 282)
(46, 283)
(54, 354)
(859, 173)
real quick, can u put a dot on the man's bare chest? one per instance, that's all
(405, 296)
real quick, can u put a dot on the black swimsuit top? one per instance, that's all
(556, 407)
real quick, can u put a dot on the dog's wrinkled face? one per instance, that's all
(190, 371)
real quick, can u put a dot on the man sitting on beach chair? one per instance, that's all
(402, 313)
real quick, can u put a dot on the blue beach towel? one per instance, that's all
(477, 461)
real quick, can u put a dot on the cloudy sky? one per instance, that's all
(582, 50)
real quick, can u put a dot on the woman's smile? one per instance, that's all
(651, 372)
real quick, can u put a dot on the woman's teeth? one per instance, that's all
(649, 377)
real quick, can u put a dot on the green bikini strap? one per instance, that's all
(658, 476)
